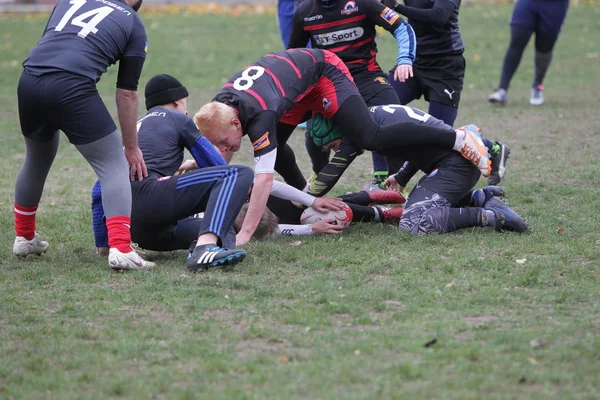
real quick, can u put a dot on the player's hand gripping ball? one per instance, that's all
(342, 217)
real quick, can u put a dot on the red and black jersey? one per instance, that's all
(348, 30)
(268, 88)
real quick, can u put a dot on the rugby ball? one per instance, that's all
(342, 217)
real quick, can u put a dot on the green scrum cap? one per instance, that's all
(324, 131)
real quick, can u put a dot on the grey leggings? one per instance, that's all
(104, 155)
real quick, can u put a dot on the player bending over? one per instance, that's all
(270, 97)
(163, 204)
(443, 200)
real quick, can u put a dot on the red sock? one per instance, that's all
(119, 234)
(25, 221)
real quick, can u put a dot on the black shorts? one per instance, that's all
(62, 101)
(452, 179)
(438, 78)
(375, 88)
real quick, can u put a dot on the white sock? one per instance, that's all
(460, 138)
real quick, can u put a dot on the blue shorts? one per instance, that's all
(62, 101)
(542, 16)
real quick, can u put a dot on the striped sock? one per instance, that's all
(119, 233)
(25, 221)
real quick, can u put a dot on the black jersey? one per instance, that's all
(162, 136)
(436, 40)
(85, 37)
(265, 90)
(348, 30)
(419, 158)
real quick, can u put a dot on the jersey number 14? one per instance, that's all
(95, 16)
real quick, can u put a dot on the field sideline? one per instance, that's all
(347, 316)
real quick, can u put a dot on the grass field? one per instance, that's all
(323, 317)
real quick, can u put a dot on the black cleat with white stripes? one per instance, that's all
(210, 256)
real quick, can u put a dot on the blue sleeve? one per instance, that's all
(98, 218)
(205, 154)
(407, 43)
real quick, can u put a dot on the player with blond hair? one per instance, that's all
(271, 96)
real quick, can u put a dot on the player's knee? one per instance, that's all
(245, 174)
(423, 222)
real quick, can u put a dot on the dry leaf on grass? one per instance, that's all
(295, 243)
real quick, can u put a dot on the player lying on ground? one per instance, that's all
(443, 200)
(439, 68)
(163, 203)
(57, 91)
(270, 97)
(283, 216)
(348, 30)
(345, 154)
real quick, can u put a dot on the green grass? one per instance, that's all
(335, 317)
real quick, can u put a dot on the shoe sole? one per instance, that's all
(498, 102)
(24, 256)
(119, 268)
(223, 262)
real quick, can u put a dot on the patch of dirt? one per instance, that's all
(480, 319)
(254, 347)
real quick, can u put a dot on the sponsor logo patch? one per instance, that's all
(345, 35)
(382, 80)
(389, 15)
(261, 142)
(313, 18)
(349, 8)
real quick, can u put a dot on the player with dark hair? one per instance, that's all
(439, 68)
(545, 18)
(163, 203)
(57, 91)
(443, 200)
(267, 99)
(347, 28)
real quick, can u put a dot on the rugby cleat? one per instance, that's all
(391, 215)
(118, 261)
(385, 197)
(473, 149)
(480, 197)
(536, 97)
(210, 256)
(498, 160)
(500, 96)
(498, 215)
(23, 247)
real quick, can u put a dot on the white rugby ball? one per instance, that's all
(342, 217)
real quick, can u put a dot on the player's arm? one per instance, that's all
(333, 171)
(264, 169)
(322, 204)
(130, 69)
(299, 37)
(402, 32)
(203, 151)
(438, 15)
(321, 227)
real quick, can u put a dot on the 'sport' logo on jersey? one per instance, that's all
(349, 8)
(345, 35)
(261, 142)
(389, 15)
(326, 103)
(313, 18)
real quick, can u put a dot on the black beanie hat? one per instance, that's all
(163, 89)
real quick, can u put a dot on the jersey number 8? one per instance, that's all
(96, 15)
(246, 81)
